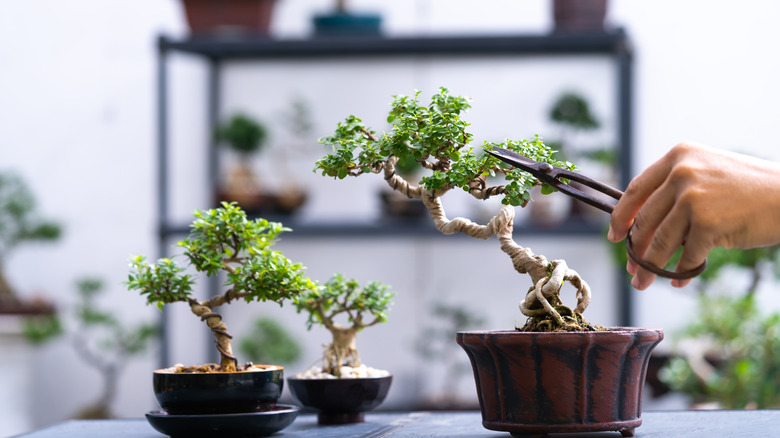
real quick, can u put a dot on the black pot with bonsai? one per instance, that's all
(227, 398)
(557, 373)
(343, 388)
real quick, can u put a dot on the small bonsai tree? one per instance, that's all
(435, 137)
(19, 224)
(340, 298)
(243, 134)
(223, 240)
(102, 341)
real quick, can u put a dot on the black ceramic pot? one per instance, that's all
(340, 401)
(540, 383)
(253, 390)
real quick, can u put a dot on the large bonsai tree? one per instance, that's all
(223, 240)
(19, 224)
(435, 137)
(355, 306)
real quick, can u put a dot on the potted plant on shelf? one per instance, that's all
(343, 388)
(246, 137)
(557, 373)
(341, 22)
(20, 226)
(227, 397)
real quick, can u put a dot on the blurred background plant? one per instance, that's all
(100, 339)
(269, 342)
(436, 347)
(726, 356)
(20, 224)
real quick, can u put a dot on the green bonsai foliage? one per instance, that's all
(339, 299)
(223, 240)
(435, 137)
(19, 224)
(242, 133)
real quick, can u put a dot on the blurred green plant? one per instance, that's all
(242, 133)
(268, 342)
(728, 351)
(434, 345)
(100, 339)
(19, 224)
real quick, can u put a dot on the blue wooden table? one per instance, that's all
(661, 424)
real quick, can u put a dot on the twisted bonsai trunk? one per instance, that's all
(547, 277)
(228, 362)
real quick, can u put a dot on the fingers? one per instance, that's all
(636, 195)
(659, 248)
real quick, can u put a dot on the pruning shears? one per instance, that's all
(558, 177)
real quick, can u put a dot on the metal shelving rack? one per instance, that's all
(217, 51)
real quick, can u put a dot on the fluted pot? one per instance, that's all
(539, 383)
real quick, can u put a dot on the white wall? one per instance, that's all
(77, 120)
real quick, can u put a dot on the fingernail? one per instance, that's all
(611, 235)
(636, 284)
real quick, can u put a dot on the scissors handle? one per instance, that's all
(660, 271)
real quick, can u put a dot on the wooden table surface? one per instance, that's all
(656, 424)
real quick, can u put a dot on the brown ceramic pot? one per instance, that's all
(540, 383)
(219, 16)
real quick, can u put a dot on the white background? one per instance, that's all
(77, 121)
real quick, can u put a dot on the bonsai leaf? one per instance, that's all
(161, 283)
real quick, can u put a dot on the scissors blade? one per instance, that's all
(535, 168)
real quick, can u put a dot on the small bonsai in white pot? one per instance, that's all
(343, 388)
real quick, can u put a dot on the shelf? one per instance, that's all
(216, 51)
(218, 48)
(392, 228)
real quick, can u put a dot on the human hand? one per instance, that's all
(701, 197)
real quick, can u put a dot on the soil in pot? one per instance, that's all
(539, 383)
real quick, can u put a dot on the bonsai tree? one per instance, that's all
(19, 224)
(246, 136)
(102, 341)
(242, 134)
(358, 308)
(223, 240)
(435, 137)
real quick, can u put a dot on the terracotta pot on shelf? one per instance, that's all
(539, 383)
(228, 16)
(579, 15)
